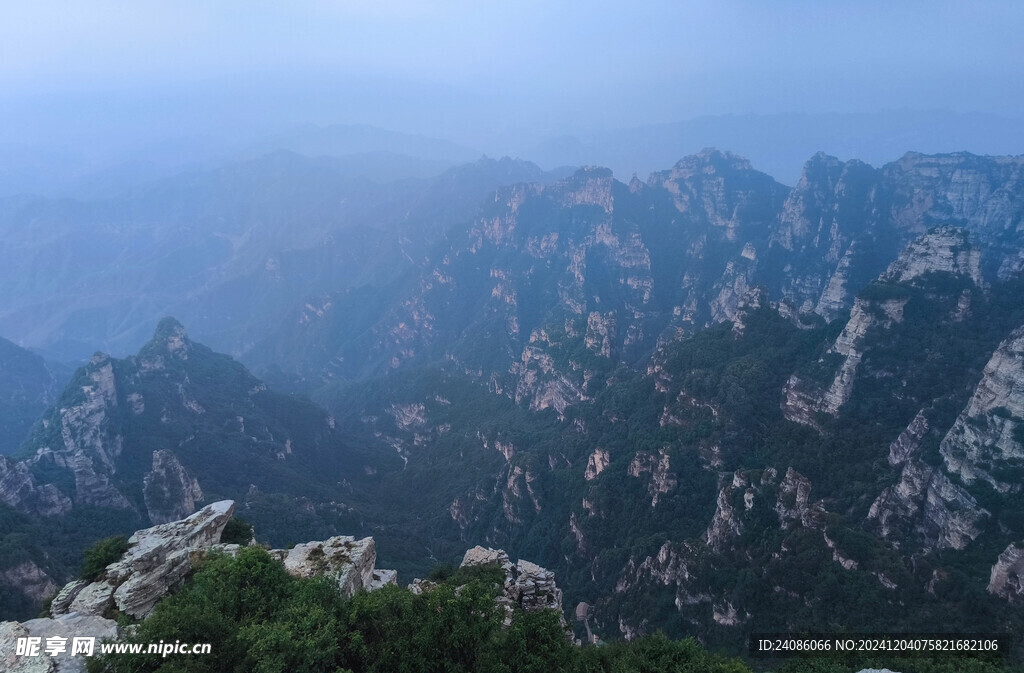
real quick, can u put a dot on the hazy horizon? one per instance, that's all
(181, 83)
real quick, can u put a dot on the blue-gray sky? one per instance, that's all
(488, 73)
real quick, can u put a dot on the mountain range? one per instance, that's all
(711, 403)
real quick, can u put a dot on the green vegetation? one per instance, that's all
(237, 531)
(100, 555)
(258, 618)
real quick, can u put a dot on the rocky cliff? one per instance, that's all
(987, 441)
(158, 561)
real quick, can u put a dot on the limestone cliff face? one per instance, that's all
(941, 250)
(924, 505)
(170, 492)
(824, 222)
(803, 399)
(744, 497)
(658, 467)
(982, 194)
(1007, 576)
(541, 382)
(945, 250)
(30, 580)
(20, 490)
(987, 440)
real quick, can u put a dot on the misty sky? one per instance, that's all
(476, 72)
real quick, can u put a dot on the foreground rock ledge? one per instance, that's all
(527, 585)
(157, 562)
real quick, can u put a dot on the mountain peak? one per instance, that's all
(170, 337)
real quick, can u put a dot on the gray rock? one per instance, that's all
(66, 626)
(157, 561)
(527, 585)
(170, 492)
(382, 578)
(1007, 577)
(985, 436)
(927, 505)
(30, 580)
(348, 560)
(944, 249)
(95, 598)
(61, 603)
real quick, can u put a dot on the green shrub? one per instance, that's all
(100, 555)
(237, 531)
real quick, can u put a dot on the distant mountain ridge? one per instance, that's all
(644, 262)
(229, 250)
(28, 385)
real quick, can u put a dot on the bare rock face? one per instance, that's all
(19, 490)
(804, 399)
(944, 249)
(725, 524)
(907, 444)
(66, 626)
(752, 300)
(928, 505)
(348, 560)
(29, 579)
(794, 504)
(541, 384)
(527, 585)
(832, 204)
(596, 463)
(659, 467)
(601, 335)
(62, 601)
(987, 440)
(157, 561)
(1007, 577)
(170, 492)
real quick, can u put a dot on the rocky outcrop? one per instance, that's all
(804, 399)
(169, 491)
(350, 562)
(907, 444)
(925, 505)
(659, 467)
(823, 223)
(1007, 577)
(159, 558)
(725, 524)
(987, 440)
(157, 561)
(752, 300)
(982, 194)
(19, 489)
(941, 250)
(66, 627)
(527, 585)
(794, 504)
(601, 334)
(29, 579)
(540, 384)
(596, 464)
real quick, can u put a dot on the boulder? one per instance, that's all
(157, 561)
